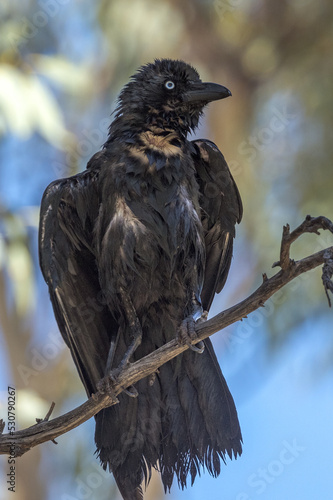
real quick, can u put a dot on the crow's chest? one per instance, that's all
(166, 216)
(153, 220)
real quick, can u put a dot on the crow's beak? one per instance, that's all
(206, 92)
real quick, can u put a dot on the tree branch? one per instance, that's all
(21, 441)
(310, 225)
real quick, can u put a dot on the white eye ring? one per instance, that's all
(169, 85)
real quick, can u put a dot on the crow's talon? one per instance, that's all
(152, 377)
(94, 395)
(199, 347)
(131, 392)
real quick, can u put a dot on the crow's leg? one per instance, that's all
(133, 324)
(112, 351)
(110, 375)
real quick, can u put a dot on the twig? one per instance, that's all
(309, 225)
(46, 418)
(45, 430)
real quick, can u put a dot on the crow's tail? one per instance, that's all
(184, 421)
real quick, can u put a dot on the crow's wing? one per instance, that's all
(221, 208)
(67, 258)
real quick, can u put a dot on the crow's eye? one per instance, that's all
(169, 85)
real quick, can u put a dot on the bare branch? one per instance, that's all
(21, 441)
(309, 225)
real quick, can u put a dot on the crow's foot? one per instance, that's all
(187, 334)
(106, 384)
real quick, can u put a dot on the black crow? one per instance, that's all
(133, 250)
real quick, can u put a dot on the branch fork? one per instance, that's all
(309, 225)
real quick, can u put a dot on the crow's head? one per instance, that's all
(169, 94)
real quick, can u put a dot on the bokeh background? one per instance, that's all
(62, 64)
